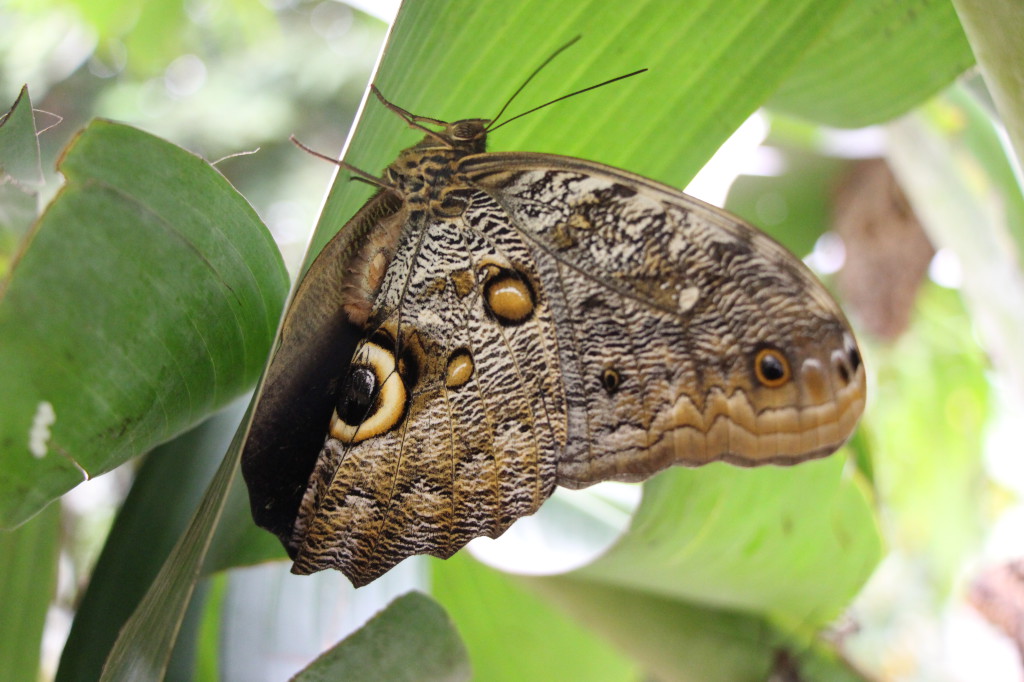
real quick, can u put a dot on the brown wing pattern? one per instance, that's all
(472, 445)
(696, 337)
(520, 320)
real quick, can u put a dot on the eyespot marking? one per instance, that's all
(611, 379)
(854, 358)
(460, 368)
(373, 399)
(771, 368)
(508, 297)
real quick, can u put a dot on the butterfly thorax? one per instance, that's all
(425, 175)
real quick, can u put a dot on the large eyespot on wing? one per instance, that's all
(317, 338)
(374, 397)
(730, 348)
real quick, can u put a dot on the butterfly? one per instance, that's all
(491, 325)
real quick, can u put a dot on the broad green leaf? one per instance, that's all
(675, 640)
(570, 628)
(933, 399)
(145, 298)
(412, 639)
(17, 211)
(994, 28)
(792, 543)
(879, 60)
(166, 490)
(28, 579)
(20, 176)
(711, 64)
(794, 207)
(961, 196)
(513, 634)
(144, 645)
(19, 148)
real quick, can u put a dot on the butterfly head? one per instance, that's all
(468, 136)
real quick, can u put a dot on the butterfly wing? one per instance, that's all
(465, 412)
(548, 320)
(685, 335)
(302, 382)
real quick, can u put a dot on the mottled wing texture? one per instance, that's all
(663, 308)
(475, 443)
(526, 320)
(302, 382)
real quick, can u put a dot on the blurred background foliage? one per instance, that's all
(938, 453)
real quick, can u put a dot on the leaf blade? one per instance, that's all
(145, 297)
(412, 639)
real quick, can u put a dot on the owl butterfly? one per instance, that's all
(491, 325)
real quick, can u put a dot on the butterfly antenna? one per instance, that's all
(411, 119)
(540, 68)
(362, 175)
(571, 94)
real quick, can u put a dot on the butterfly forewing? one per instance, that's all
(676, 301)
(512, 321)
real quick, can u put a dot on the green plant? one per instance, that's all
(724, 574)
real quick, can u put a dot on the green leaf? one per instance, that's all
(794, 207)
(166, 490)
(522, 628)
(792, 543)
(676, 640)
(146, 297)
(412, 639)
(28, 578)
(711, 64)
(145, 643)
(994, 28)
(513, 634)
(878, 61)
(932, 397)
(19, 148)
(20, 176)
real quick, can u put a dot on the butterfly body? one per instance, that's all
(506, 322)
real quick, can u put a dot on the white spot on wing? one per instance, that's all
(687, 298)
(39, 433)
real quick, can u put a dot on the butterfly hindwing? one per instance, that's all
(317, 338)
(472, 446)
